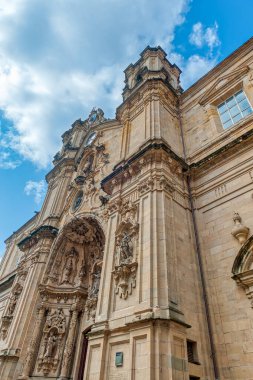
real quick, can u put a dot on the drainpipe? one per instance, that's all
(199, 259)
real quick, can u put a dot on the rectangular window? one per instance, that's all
(234, 109)
(192, 352)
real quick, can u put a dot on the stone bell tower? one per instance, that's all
(107, 286)
(150, 294)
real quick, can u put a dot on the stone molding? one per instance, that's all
(153, 152)
(42, 232)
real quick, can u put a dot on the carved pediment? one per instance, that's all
(223, 84)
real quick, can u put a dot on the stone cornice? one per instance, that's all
(15, 233)
(42, 232)
(64, 162)
(143, 87)
(132, 161)
(7, 281)
(155, 145)
(217, 153)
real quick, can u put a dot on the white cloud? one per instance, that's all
(194, 68)
(7, 162)
(201, 36)
(196, 65)
(58, 59)
(36, 189)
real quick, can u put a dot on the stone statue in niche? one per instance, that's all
(55, 319)
(82, 272)
(12, 304)
(95, 282)
(68, 273)
(88, 165)
(125, 249)
(94, 251)
(14, 299)
(102, 157)
(91, 303)
(51, 345)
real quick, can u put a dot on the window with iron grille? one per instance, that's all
(234, 109)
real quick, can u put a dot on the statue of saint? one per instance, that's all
(51, 345)
(12, 304)
(95, 284)
(126, 249)
(69, 266)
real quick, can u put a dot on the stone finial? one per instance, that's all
(239, 231)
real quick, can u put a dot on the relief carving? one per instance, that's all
(125, 257)
(12, 304)
(70, 286)
(69, 269)
(52, 341)
(87, 182)
(91, 302)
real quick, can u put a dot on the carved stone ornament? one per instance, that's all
(84, 190)
(69, 287)
(42, 232)
(52, 342)
(125, 258)
(69, 269)
(239, 231)
(77, 201)
(95, 117)
(91, 302)
(12, 304)
(243, 268)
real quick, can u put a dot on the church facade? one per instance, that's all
(140, 263)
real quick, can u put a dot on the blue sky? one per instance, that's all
(60, 58)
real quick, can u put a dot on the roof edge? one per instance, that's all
(219, 66)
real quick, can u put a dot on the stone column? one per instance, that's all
(33, 346)
(69, 347)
